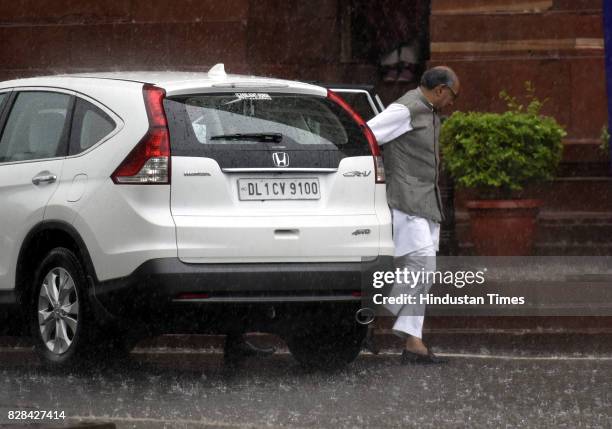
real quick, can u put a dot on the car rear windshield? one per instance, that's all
(241, 129)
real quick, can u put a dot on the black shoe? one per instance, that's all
(236, 348)
(409, 357)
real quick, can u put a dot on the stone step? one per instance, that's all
(585, 151)
(583, 169)
(554, 249)
(579, 194)
(551, 219)
(563, 195)
(561, 248)
(462, 7)
(578, 5)
(586, 234)
(454, 7)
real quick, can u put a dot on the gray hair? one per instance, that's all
(437, 76)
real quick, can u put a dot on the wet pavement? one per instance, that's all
(492, 381)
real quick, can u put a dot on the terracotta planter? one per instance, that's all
(503, 227)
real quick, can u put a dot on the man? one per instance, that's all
(408, 131)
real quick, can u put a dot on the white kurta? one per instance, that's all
(391, 123)
(412, 235)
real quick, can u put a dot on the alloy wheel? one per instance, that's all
(58, 310)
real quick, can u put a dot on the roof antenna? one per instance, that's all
(217, 71)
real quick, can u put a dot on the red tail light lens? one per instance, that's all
(154, 102)
(379, 169)
(193, 296)
(149, 161)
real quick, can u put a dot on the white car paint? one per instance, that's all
(198, 219)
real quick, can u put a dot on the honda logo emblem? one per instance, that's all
(281, 159)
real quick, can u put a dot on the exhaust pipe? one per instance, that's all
(365, 316)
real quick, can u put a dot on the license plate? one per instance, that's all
(279, 189)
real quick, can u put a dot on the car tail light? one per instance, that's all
(149, 162)
(192, 296)
(379, 168)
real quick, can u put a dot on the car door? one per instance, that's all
(362, 101)
(33, 146)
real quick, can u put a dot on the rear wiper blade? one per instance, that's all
(260, 137)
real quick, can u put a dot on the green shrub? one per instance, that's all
(498, 154)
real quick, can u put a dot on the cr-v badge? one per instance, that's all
(281, 159)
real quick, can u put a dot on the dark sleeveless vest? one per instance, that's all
(412, 161)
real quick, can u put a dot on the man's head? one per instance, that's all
(440, 85)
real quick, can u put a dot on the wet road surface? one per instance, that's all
(519, 382)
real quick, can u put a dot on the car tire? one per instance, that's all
(62, 323)
(327, 346)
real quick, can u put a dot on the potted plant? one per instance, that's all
(497, 155)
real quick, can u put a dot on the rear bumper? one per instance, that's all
(161, 284)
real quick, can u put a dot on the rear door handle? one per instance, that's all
(44, 178)
(286, 233)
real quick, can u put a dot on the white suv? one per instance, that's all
(198, 202)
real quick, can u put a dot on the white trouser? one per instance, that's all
(416, 242)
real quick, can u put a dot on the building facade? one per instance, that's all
(492, 44)
(558, 45)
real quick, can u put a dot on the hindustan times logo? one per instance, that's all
(430, 299)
